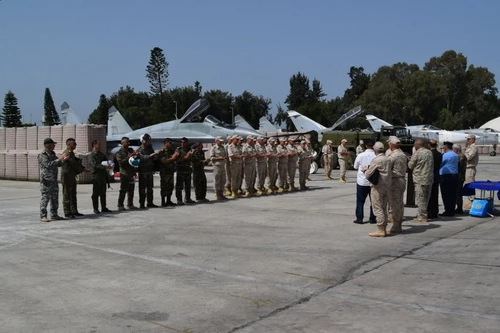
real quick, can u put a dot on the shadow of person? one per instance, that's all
(418, 228)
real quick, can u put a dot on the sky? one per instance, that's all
(82, 49)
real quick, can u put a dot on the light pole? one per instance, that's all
(175, 109)
(232, 116)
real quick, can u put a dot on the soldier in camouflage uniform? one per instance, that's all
(228, 167)
(127, 174)
(146, 170)
(199, 177)
(282, 165)
(293, 157)
(272, 165)
(183, 181)
(167, 170)
(250, 162)
(462, 167)
(304, 158)
(218, 156)
(399, 165)
(236, 156)
(49, 189)
(380, 191)
(422, 165)
(99, 177)
(69, 171)
(262, 154)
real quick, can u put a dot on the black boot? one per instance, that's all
(163, 202)
(170, 202)
(178, 195)
(95, 204)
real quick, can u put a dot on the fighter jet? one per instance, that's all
(422, 131)
(484, 136)
(190, 126)
(303, 123)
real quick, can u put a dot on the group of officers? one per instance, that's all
(382, 176)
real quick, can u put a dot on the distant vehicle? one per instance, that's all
(190, 126)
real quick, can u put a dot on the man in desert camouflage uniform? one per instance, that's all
(380, 191)
(272, 165)
(327, 156)
(218, 156)
(293, 157)
(49, 188)
(304, 164)
(250, 162)
(343, 154)
(236, 156)
(167, 169)
(228, 167)
(399, 165)
(262, 154)
(422, 166)
(282, 165)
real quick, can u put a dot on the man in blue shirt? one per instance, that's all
(448, 174)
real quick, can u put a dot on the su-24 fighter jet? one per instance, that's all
(303, 123)
(423, 131)
(188, 126)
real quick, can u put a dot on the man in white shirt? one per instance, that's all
(362, 184)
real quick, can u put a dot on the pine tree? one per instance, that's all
(51, 117)
(157, 72)
(11, 112)
(100, 115)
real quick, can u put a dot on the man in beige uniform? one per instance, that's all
(304, 158)
(240, 184)
(327, 151)
(250, 161)
(380, 191)
(343, 154)
(228, 167)
(292, 164)
(272, 165)
(399, 165)
(422, 165)
(218, 156)
(235, 155)
(472, 155)
(262, 154)
(282, 165)
(360, 148)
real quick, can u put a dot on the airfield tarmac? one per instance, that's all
(293, 262)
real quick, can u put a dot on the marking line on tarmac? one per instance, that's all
(166, 262)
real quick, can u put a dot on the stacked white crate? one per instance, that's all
(84, 134)
(10, 165)
(2, 138)
(21, 138)
(43, 133)
(2, 164)
(56, 134)
(69, 131)
(32, 138)
(21, 165)
(100, 134)
(10, 138)
(33, 168)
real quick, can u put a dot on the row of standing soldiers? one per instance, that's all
(255, 161)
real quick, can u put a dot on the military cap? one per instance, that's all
(219, 138)
(49, 141)
(378, 146)
(394, 140)
(234, 137)
(303, 142)
(260, 138)
(329, 141)
(457, 146)
(250, 137)
(344, 140)
(471, 136)
(283, 139)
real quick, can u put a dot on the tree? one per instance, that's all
(157, 72)
(135, 107)
(359, 83)
(282, 117)
(221, 103)
(100, 115)
(252, 107)
(299, 91)
(50, 115)
(11, 112)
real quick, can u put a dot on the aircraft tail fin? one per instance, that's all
(68, 116)
(376, 123)
(303, 123)
(265, 126)
(241, 122)
(354, 112)
(116, 123)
